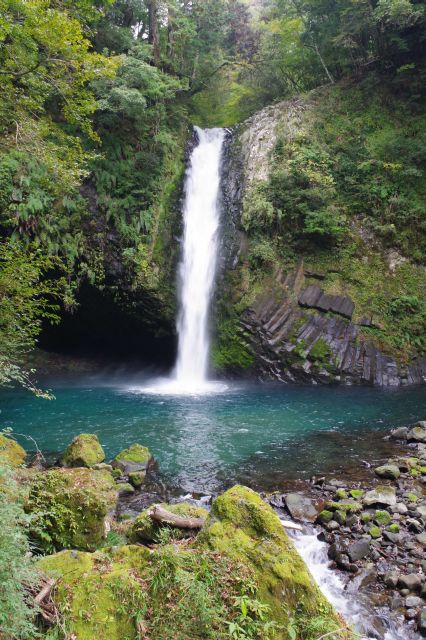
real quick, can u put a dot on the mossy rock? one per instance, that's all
(84, 451)
(382, 518)
(325, 516)
(98, 595)
(146, 530)
(11, 452)
(375, 532)
(356, 493)
(347, 505)
(69, 508)
(135, 458)
(245, 528)
(191, 591)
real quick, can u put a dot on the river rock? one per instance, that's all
(390, 471)
(421, 537)
(134, 459)
(411, 581)
(413, 601)
(421, 622)
(359, 550)
(380, 495)
(391, 579)
(84, 451)
(301, 507)
(400, 433)
(11, 452)
(417, 434)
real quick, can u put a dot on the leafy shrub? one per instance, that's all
(16, 566)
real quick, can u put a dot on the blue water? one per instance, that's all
(260, 435)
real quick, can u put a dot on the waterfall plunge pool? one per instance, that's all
(259, 435)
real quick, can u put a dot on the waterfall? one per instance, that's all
(198, 265)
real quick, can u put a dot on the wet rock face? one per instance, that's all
(295, 329)
(298, 334)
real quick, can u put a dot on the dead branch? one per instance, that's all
(158, 514)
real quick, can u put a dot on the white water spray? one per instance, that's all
(198, 267)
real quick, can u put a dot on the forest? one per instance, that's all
(98, 103)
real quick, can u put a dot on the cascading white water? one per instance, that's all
(198, 266)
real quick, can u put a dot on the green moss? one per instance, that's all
(135, 453)
(320, 352)
(365, 517)
(246, 529)
(84, 451)
(68, 508)
(356, 493)
(136, 478)
(341, 494)
(146, 530)
(325, 516)
(230, 350)
(382, 518)
(11, 452)
(394, 528)
(353, 507)
(375, 532)
(412, 497)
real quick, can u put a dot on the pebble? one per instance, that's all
(411, 581)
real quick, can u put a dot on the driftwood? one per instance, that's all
(158, 514)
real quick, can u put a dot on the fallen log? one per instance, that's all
(45, 591)
(158, 514)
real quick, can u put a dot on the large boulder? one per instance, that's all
(301, 507)
(70, 508)
(135, 458)
(84, 451)
(144, 529)
(11, 452)
(380, 495)
(390, 471)
(243, 527)
(241, 571)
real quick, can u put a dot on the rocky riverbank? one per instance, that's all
(375, 529)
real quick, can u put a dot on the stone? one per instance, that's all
(413, 602)
(341, 494)
(401, 508)
(380, 495)
(390, 471)
(11, 452)
(340, 517)
(84, 451)
(414, 525)
(421, 537)
(358, 550)
(417, 434)
(411, 581)
(391, 579)
(421, 510)
(136, 478)
(421, 622)
(301, 507)
(135, 458)
(400, 433)
(125, 489)
(70, 508)
(325, 516)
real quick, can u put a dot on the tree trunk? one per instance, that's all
(159, 514)
(153, 36)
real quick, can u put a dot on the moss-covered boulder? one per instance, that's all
(134, 459)
(245, 528)
(242, 572)
(69, 508)
(11, 452)
(146, 530)
(84, 451)
(99, 596)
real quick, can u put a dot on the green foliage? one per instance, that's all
(17, 570)
(230, 350)
(26, 299)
